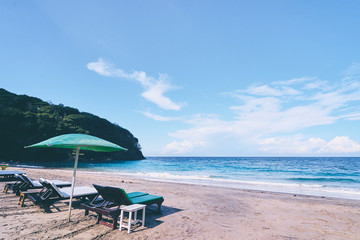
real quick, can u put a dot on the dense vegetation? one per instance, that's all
(27, 120)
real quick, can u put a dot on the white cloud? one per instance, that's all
(316, 84)
(340, 96)
(266, 90)
(155, 91)
(275, 109)
(154, 88)
(158, 117)
(352, 116)
(294, 81)
(299, 145)
(267, 118)
(290, 145)
(180, 147)
(101, 67)
(341, 145)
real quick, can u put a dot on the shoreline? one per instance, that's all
(276, 187)
(189, 212)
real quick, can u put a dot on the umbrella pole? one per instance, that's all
(73, 180)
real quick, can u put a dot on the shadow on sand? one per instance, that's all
(152, 214)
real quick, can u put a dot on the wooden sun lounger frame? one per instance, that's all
(25, 183)
(14, 185)
(102, 206)
(8, 176)
(112, 199)
(50, 194)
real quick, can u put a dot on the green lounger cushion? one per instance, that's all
(145, 199)
(119, 197)
(136, 194)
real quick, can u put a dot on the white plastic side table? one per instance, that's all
(130, 209)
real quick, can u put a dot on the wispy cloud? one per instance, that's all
(294, 81)
(267, 117)
(352, 73)
(159, 117)
(154, 88)
(266, 90)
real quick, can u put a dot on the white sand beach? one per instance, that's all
(188, 212)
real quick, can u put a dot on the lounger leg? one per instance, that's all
(46, 205)
(121, 219)
(86, 212)
(115, 218)
(22, 202)
(143, 217)
(47, 208)
(129, 224)
(22, 199)
(99, 217)
(6, 188)
(114, 223)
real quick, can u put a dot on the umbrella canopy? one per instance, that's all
(85, 142)
(78, 141)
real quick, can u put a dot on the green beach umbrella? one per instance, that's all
(78, 142)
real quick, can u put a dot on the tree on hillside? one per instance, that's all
(26, 120)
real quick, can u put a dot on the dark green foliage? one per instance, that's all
(27, 120)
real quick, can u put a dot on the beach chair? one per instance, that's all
(7, 175)
(51, 194)
(106, 204)
(25, 183)
(119, 196)
(113, 198)
(12, 185)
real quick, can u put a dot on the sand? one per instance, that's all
(188, 212)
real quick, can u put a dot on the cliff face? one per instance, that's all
(27, 120)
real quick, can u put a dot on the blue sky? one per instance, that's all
(196, 78)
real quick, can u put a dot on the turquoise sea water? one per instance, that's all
(331, 177)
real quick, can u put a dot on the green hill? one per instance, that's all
(27, 120)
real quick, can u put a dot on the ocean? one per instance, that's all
(318, 176)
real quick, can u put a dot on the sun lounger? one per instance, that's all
(119, 194)
(113, 198)
(51, 194)
(25, 183)
(105, 204)
(7, 175)
(12, 185)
